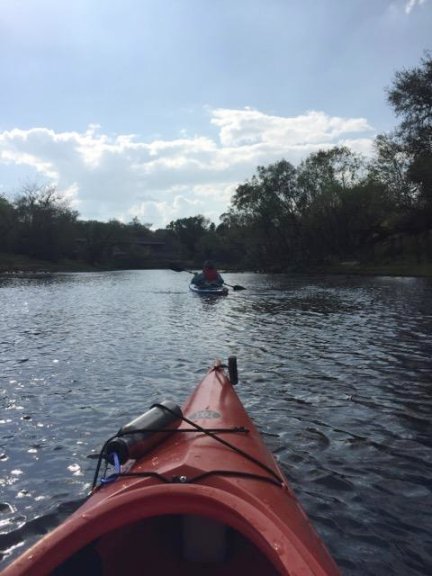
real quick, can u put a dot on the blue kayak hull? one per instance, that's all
(217, 291)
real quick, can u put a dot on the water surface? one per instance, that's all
(337, 371)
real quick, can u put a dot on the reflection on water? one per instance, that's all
(336, 371)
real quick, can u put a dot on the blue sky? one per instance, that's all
(159, 109)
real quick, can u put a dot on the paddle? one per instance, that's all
(178, 269)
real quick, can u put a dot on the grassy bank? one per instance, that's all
(13, 264)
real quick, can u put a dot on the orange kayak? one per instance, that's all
(191, 491)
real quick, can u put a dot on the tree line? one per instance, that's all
(337, 205)
(334, 206)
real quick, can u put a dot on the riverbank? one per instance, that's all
(12, 264)
(402, 268)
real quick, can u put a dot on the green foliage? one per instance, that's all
(420, 173)
(411, 97)
(189, 231)
(329, 182)
(96, 240)
(326, 173)
(320, 210)
(7, 222)
(39, 224)
(266, 209)
(44, 223)
(336, 206)
(390, 168)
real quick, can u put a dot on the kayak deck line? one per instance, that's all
(182, 479)
(211, 432)
(209, 498)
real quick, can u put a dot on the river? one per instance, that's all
(336, 371)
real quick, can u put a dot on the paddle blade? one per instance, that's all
(237, 287)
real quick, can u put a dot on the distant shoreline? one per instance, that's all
(10, 266)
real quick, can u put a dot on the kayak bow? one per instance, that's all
(209, 498)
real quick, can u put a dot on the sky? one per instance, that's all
(159, 109)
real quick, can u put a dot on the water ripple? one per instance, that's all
(335, 372)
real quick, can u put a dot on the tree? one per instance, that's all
(326, 173)
(266, 208)
(45, 223)
(139, 229)
(7, 224)
(326, 180)
(189, 231)
(390, 167)
(411, 98)
(97, 239)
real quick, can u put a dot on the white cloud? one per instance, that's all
(249, 127)
(411, 4)
(122, 176)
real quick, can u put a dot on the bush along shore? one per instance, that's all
(10, 265)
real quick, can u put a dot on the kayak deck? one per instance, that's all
(210, 498)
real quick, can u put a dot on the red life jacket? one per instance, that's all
(210, 274)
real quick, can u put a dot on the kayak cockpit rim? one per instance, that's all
(115, 530)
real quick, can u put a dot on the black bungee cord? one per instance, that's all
(273, 477)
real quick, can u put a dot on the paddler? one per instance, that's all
(209, 276)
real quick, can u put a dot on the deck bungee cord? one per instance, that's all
(113, 458)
